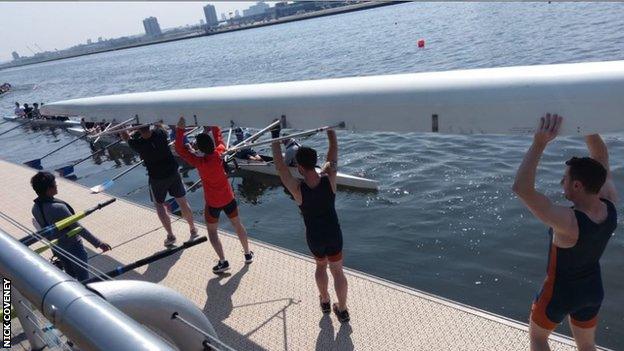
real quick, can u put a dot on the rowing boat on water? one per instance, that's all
(342, 179)
(44, 122)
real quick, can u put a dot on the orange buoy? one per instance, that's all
(421, 43)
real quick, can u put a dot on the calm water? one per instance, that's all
(445, 220)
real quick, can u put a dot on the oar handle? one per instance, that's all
(100, 206)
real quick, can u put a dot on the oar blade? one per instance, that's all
(36, 164)
(102, 187)
(65, 171)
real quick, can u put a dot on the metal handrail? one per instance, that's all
(85, 318)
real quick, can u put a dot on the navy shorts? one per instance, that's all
(580, 300)
(160, 187)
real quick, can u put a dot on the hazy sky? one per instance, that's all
(59, 25)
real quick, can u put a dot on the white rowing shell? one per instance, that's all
(506, 100)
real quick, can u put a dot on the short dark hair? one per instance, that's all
(41, 182)
(591, 173)
(306, 157)
(205, 143)
(16, 103)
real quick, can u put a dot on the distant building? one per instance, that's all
(99, 39)
(202, 22)
(237, 14)
(15, 55)
(211, 16)
(259, 8)
(223, 18)
(89, 42)
(152, 28)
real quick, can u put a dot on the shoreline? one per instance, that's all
(287, 19)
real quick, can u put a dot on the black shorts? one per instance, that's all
(211, 214)
(160, 187)
(325, 245)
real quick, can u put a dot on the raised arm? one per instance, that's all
(218, 139)
(291, 183)
(331, 165)
(560, 218)
(599, 152)
(181, 149)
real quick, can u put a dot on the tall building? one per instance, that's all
(259, 8)
(152, 28)
(211, 16)
(237, 14)
(15, 55)
(223, 18)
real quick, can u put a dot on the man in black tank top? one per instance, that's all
(316, 196)
(579, 235)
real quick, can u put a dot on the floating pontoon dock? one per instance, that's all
(272, 304)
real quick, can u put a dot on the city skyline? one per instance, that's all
(60, 25)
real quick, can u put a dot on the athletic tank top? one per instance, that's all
(318, 209)
(583, 259)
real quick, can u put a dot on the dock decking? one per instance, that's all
(272, 304)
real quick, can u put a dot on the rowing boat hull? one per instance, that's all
(341, 179)
(504, 100)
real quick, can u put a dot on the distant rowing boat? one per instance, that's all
(44, 122)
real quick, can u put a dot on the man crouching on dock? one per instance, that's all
(316, 196)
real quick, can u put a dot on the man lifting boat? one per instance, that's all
(218, 193)
(162, 170)
(578, 237)
(316, 196)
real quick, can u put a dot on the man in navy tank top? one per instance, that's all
(316, 196)
(578, 237)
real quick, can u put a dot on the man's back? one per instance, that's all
(582, 259)
(156, 153)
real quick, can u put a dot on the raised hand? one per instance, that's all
(548, 128)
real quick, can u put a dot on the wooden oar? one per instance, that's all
(107, 184)
(36, 163)
(69, 169)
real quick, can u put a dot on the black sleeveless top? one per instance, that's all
(583, 259)
(318, 208)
